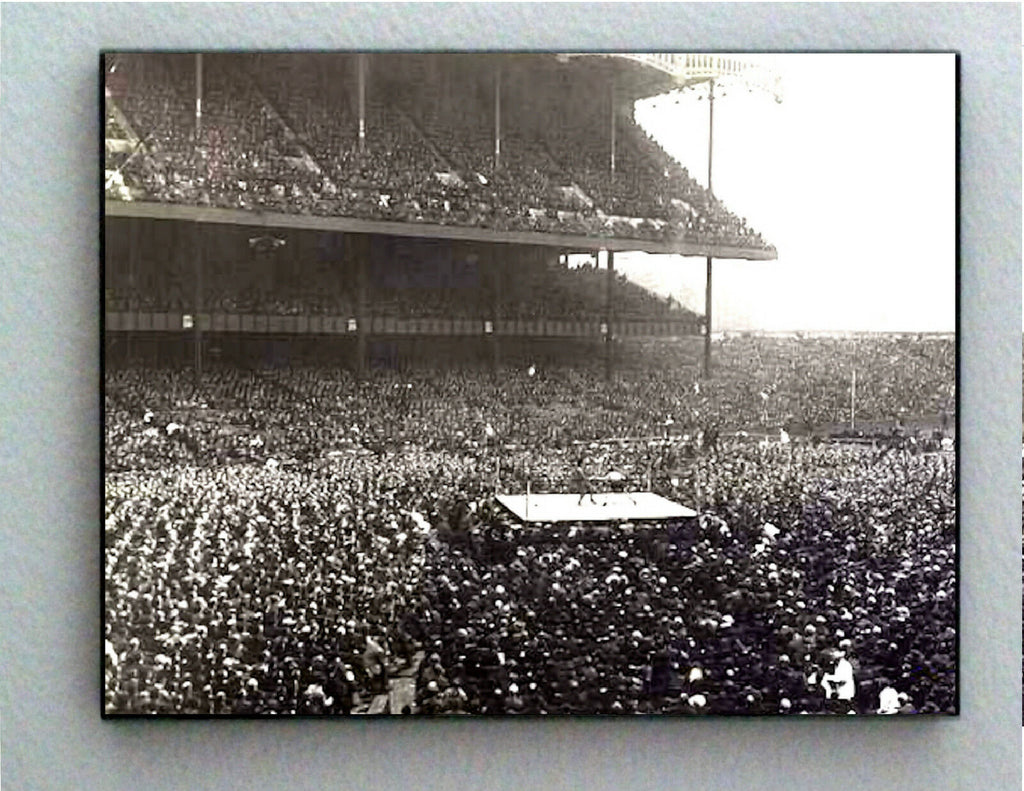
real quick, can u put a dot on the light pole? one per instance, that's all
(691, 70)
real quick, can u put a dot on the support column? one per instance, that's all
(707, 319)
(494, 264)
(362, 102)
(609, 315)
(199, 95)
(362, 252)
(133, 260)
(197, 304)
(497, 118)
(707, 281)
(612, 113)
(133, 251)
(197, 237)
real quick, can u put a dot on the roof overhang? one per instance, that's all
(644, 74)
(281, 220)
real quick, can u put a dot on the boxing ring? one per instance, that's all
(602, 507)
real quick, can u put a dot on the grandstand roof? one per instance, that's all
(640, 75)
(636, 75)
(569, 242)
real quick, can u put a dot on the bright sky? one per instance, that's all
(851, 177)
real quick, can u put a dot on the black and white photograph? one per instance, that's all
(529, 383)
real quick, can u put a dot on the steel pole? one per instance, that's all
(197, 236)
(197, 329)
(494, 264)
(609, 311)
(361, 87)
(612, 121)
(199, 95)
(363, 252)
(707, 282)
(497, 117)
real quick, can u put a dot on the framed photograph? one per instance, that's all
(529, 383)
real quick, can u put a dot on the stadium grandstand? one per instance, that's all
(357, 304)
(481, 173)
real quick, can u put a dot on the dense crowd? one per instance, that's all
(268, 141)
(898, 377)
(730, 617)
(532, 289)
(280, 541)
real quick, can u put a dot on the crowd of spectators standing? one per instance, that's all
(288, 140)
(279, 541)
(290, 281)
(898, 377)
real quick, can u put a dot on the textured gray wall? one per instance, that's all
(52, 736)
